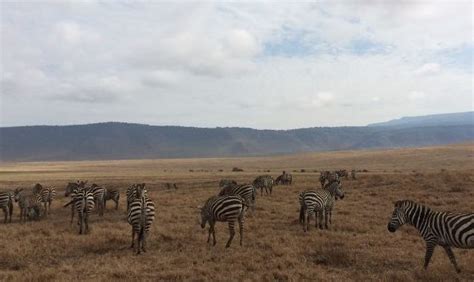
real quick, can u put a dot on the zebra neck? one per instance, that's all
(418, 216)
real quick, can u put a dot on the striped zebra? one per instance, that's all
(46, 194)
(437, 228)
(72, 189)
(264, 182)
(83, 202)
(323, 176)
(284, 179)
(111, 194)
(6, 204)
(99, 198)
(226, 182)
(225, 209)
(246, 191)
(319, 202)
(29, 204)
(140, 216)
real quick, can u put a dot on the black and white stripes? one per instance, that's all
(141, 215)
(6, 204)
(228, 209)
(246, 191)
(437, 228)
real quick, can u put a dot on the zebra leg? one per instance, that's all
(320, 215)
(232, 233)
(209, 233)
(450, 254)
(133, 238)
(5, 211)
(86, 223)
(116, 203)
(72, 213)
(430, 246)
(144, 241)
(241, 226)
(330, 216)
(213, 234)
(326, 215)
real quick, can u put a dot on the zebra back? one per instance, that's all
(246, 191)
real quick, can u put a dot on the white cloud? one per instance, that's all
(427, 69)
(416, 95)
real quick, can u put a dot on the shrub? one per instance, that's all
(237, 169)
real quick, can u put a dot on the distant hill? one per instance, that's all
(137, 141)
(466, 118)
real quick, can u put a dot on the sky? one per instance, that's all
(265, 64)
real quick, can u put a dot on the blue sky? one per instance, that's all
(260, 65)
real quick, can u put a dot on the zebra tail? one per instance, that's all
(70, 202)
(302, 210)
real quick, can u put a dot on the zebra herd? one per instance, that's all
(231, 205)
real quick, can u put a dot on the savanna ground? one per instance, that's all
(356, 247)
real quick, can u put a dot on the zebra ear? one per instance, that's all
(199, 207)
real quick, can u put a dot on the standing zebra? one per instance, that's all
(46, 194)
(140, 216)
(318, 202)
(6, 204)
(264, 182)
(83, 202)
(72, 189)
(99, 198)
(112, 194)
(246, 191)
(324, 175)
(131, 193)
(27, 203)
(437, 228)
(223, 208)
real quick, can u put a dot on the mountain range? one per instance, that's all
(113, 140)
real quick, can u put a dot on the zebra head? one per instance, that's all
(17, 194)
(69, 188)
(336, 190)
(398, 216)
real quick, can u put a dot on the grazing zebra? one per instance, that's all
(437, 228)
(72, 189)
(83, 202)
(227, 182)
(318, 202)
(46, 194)
(284, 179)
(223, 208)
(99, 198)
(112, 194)
(26, 203)
(140, 216)
(6, 204)
(246, 191)
(264, 182)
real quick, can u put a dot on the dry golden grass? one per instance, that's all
(357, 247)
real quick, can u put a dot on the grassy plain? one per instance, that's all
(356, 247)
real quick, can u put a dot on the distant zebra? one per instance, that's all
(27, 203)
(246, 191)
(6, 204)
(437, 228)
(342, 173)
(140, 216)
(226, 182)
(318, 202)
(83, 202)
(264, 182)
(171, 185)
(284, 179)
(46, 194)
(225, 209)
(112, 194)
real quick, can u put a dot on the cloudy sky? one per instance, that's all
(262, 65)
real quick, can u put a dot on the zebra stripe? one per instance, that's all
(72, 190)
(140, 216)
(6, 204)
(437, 228)
(319, 202)
(225, 209)
(246, 191)
(99, 198)
(83, 202)
(30, 205)
(264, 182)
(46, 196)
(132, 193)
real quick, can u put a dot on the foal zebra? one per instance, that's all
(246, 191)
(225, 209)
(318, 202)
(437, 228)
(140, 216)
(83, 202)
(6, 204)
(264, 182)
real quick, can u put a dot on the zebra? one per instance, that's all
(264, 182)
(140, 216)
(437, 228)
(246, 191)
(6, 204)
(99, 197)
(83, 202)
(342, 173)
(318, 202)
(324, 175)
(131, 193)
(112, 194)
(224, 208)
(46, 194)
(226, 182)
(72, 189)
(26, 203)
(171, 185)
(284, 179)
